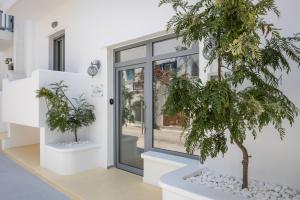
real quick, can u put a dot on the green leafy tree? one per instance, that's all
(240, 41)
(63, 114)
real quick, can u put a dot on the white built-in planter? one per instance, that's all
(195, 183)
(186, 179)
(157, 164)
(72, 158)
(175, 187)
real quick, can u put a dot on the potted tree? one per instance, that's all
(240, 41)
(64, 114)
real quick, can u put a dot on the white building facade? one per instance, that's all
(130, 41)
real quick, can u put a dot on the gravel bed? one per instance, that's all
(257, 190)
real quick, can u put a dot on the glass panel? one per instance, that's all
(132, 111)
(131, 54)
(167, 132)
(168, 46)
(59, 54)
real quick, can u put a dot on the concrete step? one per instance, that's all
(3, 135)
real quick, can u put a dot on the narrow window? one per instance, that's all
(59, 53)
(2, 20)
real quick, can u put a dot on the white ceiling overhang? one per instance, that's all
(30, 9)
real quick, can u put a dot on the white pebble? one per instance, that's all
(257, 190)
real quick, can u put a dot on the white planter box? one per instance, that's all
(157, 164)
(68, 160)
(196, 183)
(175, 187)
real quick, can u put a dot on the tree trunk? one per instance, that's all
(245, 163)
(219, 68)
(75, 134)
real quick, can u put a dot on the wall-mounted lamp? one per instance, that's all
(54, 24)
(94, 68)
(9, 63)
(8, 60)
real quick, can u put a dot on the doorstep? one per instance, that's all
(3, 135)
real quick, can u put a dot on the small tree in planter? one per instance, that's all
(236, 37)
(63, 114)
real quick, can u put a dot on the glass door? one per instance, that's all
(142, 76)
(131, 118)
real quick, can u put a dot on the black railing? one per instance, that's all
(6, 22)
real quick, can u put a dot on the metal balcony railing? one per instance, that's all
(6, 22)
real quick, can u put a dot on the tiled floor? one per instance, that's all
(98, 184)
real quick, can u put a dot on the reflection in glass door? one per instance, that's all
(131, 109)
(142, 74)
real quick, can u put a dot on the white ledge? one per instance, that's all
(169, 159)
(67, 149)
(175, 182)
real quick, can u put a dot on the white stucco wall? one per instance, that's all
(20, 105)
(8, 53)
(92, 26)
(3, 126)
(20, 135)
